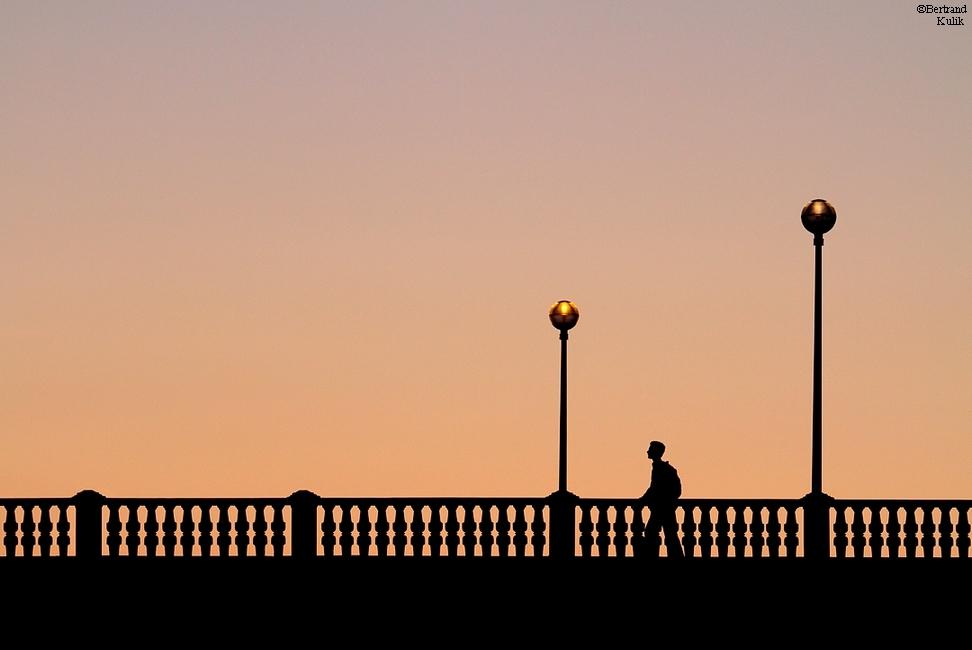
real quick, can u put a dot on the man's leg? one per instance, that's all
(652, 543)
(672, 544)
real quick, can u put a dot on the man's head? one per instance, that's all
(656, 450)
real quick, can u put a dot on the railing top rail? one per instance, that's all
(425, 501)
(699, 502)
(332, 501)
(196, 501)
(480, 500)
(747, 501)
(904, 503)
(8, 502)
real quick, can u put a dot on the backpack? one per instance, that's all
(672, 486)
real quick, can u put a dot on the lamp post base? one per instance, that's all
(816, 525)
(563, 523)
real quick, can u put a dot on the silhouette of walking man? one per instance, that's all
(661, 496)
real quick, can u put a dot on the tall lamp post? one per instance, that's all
(563, 504)
(563, 316)
(818, 217)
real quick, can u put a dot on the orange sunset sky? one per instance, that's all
(253, 247)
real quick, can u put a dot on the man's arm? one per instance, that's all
(650, 492)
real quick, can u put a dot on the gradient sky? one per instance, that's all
(251, 247)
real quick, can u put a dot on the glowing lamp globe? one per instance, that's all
(818, 216)
(564, 315)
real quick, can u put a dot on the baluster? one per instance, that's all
(63, 530)
(756, 529)
(364, 530)
(45, 540)
(151, 531)
(133, 529)
(688, 531)
(10, 531)
(706, 541)
(381, 530)
(875, 529)
(278, 528)
(945, 531)
(27, 529)
(205, 530)
(168, 530)
(468, 530)
(910, 531)
(187, 528)
(242, 529)
(739, 531)
(503, 528)
(328, 529)
(927, 532)
(791, 530)
(603, 528)
(858, 527)
(277, 524)
(223, 527)
(620, 531)
(519, 530)
(894, 531)
(400, 527)
(538, 527)
(114, 528)
(773, 529)
(418, 529)
(840, 531)
(452, 530)
(722, 530)
(260, 528)
(435, 530)
(486, 530)
(347, 529)
(586, 529)
(962, 530)
(637, 530)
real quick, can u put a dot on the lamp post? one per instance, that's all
(563, 316)
(818, 217)
(563, 504)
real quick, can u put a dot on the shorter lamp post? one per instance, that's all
(818, 217)
(563, 316)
